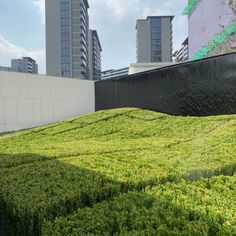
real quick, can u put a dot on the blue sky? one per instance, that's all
(23, 28)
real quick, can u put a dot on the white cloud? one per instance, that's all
(122, 7)
(163, 9)
(40, 4)
(127, 8)
(9, 51)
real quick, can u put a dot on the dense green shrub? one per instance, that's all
(206, 207)
(52, 171)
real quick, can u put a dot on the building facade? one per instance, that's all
(5, 68)
(67, 28)
(25, 65)
(95, 50)
(182, 54)
(212, 27)
(110, 74)
(154, 39)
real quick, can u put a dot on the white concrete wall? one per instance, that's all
(31, 100)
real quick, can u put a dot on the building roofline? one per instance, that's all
(96, 33)
(86, 3)
(185, 41)
(165, 16)
(105, 71)
(149, 17)
(30, 58)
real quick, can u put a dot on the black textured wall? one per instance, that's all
(204, 87)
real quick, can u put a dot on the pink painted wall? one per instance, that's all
(207, 20)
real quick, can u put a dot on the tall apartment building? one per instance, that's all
(67, 27)
(25, 65)
(182, 54)
(212, 27)
(154, 39)
(95, 50)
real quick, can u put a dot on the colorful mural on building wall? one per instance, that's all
(211, 32)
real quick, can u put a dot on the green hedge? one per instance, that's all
(51, 171)
(206, 207)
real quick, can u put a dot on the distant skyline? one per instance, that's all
(23, 28)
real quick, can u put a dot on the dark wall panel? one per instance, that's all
(204, 87)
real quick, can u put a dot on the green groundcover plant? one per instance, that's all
(205, 207)
(57, 177)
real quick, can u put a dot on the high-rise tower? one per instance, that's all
(154, 39)
(95, 50)
(67, 27)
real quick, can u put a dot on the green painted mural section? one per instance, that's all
(220, 38)
(191, 4)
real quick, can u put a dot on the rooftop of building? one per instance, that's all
(153, 17)
(96, 35)
(29, 58)
(86, 3)
(185, 42)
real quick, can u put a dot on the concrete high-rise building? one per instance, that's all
(212, 27)
(182, 54)
(95, 50)
(67, 25)
(154, 39)
(25, 65)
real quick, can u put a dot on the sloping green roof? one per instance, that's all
(220, 38)
(191, 4)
